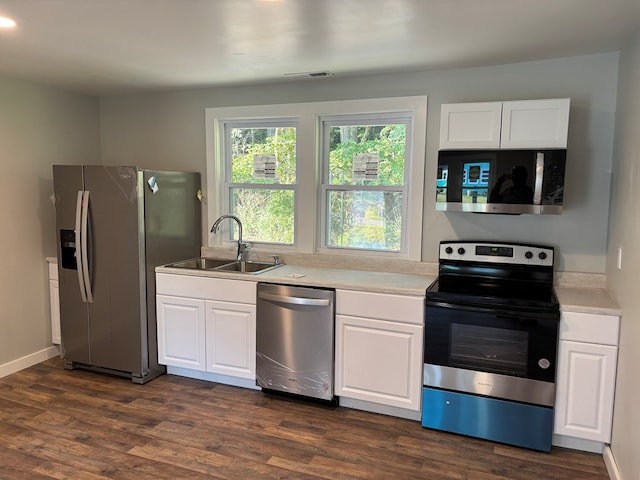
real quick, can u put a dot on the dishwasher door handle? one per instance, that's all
(315, 302)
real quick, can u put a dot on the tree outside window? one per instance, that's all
(365, 190)
(262, 167)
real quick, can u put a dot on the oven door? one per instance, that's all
(497, 352)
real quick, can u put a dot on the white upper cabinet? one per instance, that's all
(517, 124)
(535, 124)
(470, 125)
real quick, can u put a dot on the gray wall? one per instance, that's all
(623, 284)
(166, 130)
(39, 126)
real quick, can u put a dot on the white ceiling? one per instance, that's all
(121, 46)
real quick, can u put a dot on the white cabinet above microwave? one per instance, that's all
(505, 125)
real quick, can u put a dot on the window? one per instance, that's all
(260, 178)
(365, 181)
(320, 177)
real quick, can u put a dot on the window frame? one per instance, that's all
(309, 169)
(227, 170)
(328, 121)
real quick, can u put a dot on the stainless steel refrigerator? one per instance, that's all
(114, 226)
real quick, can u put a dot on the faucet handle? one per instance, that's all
(276, 259)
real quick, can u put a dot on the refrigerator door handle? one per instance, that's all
(84, 252)
(78, 253)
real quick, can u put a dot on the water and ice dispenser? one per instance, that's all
(68, 249)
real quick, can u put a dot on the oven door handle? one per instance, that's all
(458, 306)
(499, 312)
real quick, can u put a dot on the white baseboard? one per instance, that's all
(28, 360)
(577, 443)
(610, 463)
(381, 409)
(213, 377)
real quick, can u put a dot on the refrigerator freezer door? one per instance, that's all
(74, 313)
(116, 263)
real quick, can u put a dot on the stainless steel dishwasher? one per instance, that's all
(295, 340)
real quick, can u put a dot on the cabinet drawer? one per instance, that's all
(590, 328)
(400, 308)
(208, 288)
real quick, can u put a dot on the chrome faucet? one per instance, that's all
(242, 246)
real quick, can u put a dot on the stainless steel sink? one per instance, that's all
(247, 267)
(201, 263)
(224, 265)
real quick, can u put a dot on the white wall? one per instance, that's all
(166, 130)
(623, 284)
(39, 126)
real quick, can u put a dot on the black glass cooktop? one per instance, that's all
(503, 294)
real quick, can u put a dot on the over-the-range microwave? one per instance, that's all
(501, 181)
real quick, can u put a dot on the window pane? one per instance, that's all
(386, 146)
(253, 148)
(266, 215)
(364, 219)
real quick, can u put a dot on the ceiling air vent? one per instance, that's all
(299, 75)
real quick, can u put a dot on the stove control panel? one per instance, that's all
(497, 252)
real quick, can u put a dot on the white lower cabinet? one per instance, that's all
(585, 383)
(207, 325)
(231, 339)
(379, 348)
(207, 330)
(54, 302)
(181, 328)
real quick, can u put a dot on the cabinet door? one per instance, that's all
(585, 389)
(379, 361)
(470, 125)
(54, 301)
(231, 339)
(535, 124)
(181, 332)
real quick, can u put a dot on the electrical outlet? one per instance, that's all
(619, 262)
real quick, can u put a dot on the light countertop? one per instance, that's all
(379, 282)
(586, 300)
(575, 299)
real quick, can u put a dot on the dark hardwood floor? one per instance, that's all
(58, 424)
